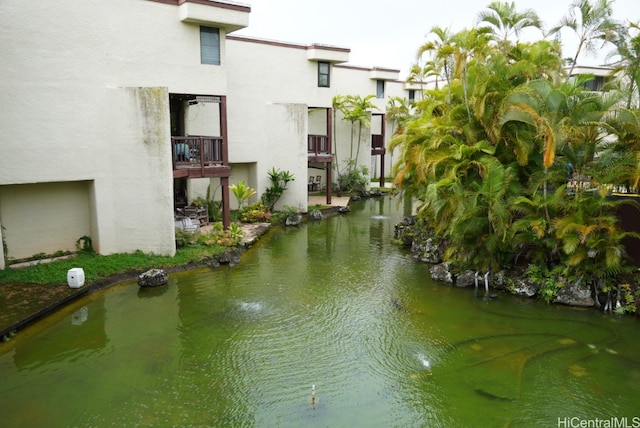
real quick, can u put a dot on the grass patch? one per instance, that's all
(318, 207)
(97, 266)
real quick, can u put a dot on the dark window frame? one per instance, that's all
(210, 45)
(380, 86)
(324, 76)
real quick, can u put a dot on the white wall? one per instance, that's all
(85, 98)
(55, 215)
(264, 73)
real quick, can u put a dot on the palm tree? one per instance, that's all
(625, 152)
(504, 21)
(487, 158)
(592, 23)
(467, 45)
(591, 237)
(242, 192)
(438, 48)
(627, 64)
(482, 229)
(358, 110)
(548, 109)
(337, 104)
(398, 112)
(419, 74)
(537, 60)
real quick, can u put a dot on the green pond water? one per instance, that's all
(331, 304)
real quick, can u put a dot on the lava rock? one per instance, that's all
(316, 215)
(153, 278)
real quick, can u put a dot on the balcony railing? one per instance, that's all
(194, 155)
(377, 145)
(319, 148)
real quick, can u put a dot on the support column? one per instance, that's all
(2, 254)
(226, 216)
(224, 181)
(329, 164)
(384, 149)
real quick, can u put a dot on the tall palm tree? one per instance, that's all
(398, 112)
(358, 111)
(548, 109)
(551, 111)
(591, 237)
(627, 61)
(438, 49)
(625, 152)
(480, 233)
(487, 158)
(420, 73)
(337, 105)
(505, 21)
(592, 22)
(537, 60)
(466, 46)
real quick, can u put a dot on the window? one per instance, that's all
(596, 84)
(412, 94)
(380, 88)
(209, 45)
(323, 74)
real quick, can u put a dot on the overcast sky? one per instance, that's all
(388, 33)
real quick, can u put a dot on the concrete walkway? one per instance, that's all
(336, 201)
(250, 231)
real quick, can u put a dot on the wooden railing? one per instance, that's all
(318, 144)
(377, 145)
(202, 151)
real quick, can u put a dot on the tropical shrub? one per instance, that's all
(355, 178)
(242, 192)
(255, 213)
(272, 194)
(513, 162)
(279, 217)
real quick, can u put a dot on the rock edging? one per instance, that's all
(426, 248)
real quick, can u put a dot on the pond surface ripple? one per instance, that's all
(331, 304)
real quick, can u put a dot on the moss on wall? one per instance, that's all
(154, 112)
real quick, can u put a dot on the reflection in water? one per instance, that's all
(328, 310)
(80, 316)
(148, 292)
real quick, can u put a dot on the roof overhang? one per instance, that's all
(327, 53)
(227, 16)
(378, 73)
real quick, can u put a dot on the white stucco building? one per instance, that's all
(111, 107)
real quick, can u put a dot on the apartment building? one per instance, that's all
(110, 109)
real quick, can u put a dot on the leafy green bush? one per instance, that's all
(272, 194)
(217, 236)
(549, 281)
(242, 192)
(184, 238)
(353, 179)
(279, 217)
(255, 213)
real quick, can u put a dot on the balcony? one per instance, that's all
(319, 149)
(199, 157)
(377, 145)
